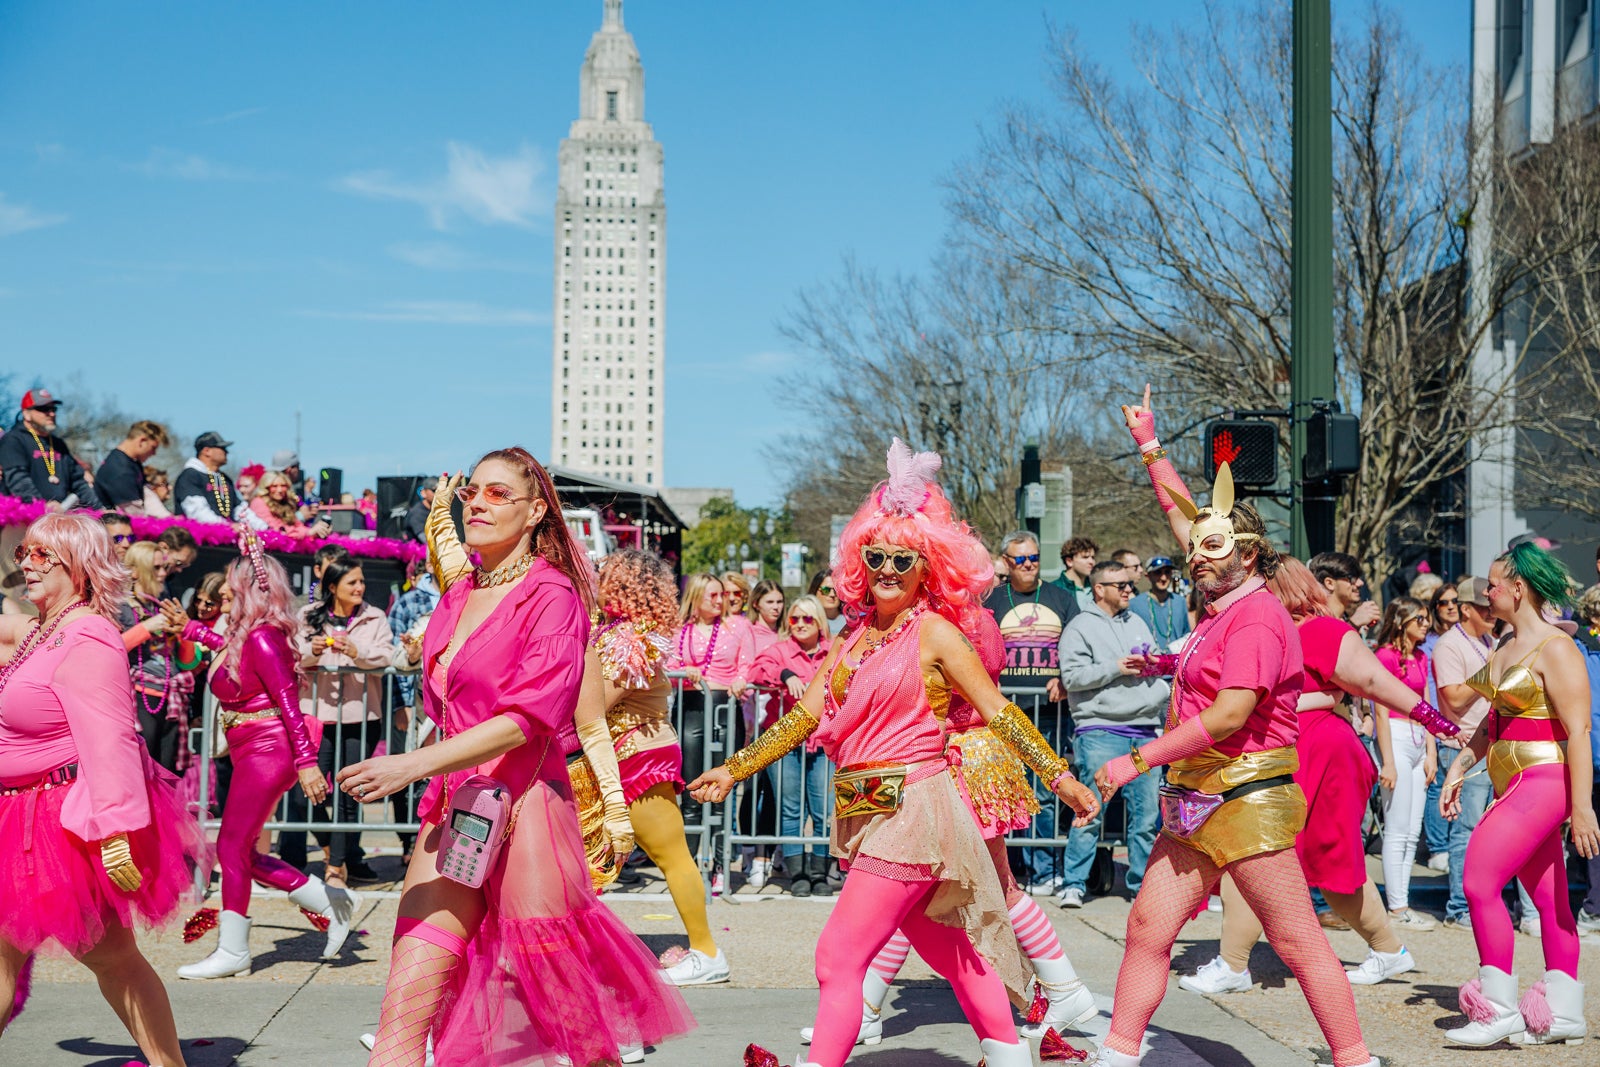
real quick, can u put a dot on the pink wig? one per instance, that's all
(910, 510)
(86, 551)
(254, 606)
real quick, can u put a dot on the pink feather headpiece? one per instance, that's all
(906, 491)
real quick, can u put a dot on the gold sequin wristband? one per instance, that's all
(1138, 761)
(1015, 728)
(783, 737)
(1155, 455)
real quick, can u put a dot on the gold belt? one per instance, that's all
(230, 719)
(1507, 759)
(1212, 772)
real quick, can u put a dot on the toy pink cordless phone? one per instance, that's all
(478, 815)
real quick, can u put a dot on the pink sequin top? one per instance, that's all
(885, 715)
(72, 702)
(1244, 640)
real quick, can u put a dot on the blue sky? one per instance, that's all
(222, 214)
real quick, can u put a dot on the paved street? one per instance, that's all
(293, 1009)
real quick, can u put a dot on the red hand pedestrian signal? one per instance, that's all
(1248, 446)
(1223, 450)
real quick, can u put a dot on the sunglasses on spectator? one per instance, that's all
(122, 539)
(41, 557)
(1126, 587)
(802, 620)
(825, 590)
(902, 560)
(492, 494)
(1449, 602)
(1017, 561)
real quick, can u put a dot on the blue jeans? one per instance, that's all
(1043, 864)
(785, 776)
(1093, 750)
(1475, 794)
(1435, 827)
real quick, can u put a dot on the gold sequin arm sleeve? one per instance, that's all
(784, 737)
(1015, 728)
(447, 556)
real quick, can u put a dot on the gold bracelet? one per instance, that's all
(1138, 761)
(1153, 456)
(783, 737)
(1015, 728)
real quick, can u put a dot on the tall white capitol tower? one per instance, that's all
(610, 274)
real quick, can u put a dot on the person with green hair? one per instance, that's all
(1538, 689)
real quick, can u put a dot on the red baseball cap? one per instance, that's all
(38, 398)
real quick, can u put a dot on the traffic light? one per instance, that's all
(1333, 445)
(1248, 446)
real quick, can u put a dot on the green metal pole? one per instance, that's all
(1311, 268)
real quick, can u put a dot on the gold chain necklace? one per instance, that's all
(503, 574)
(48, 455)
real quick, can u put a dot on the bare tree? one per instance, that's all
(1164, 208)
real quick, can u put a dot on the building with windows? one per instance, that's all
(610, 272)
(1535, 68)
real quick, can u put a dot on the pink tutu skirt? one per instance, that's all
(649, 768)
(552, 972)
(53, 888)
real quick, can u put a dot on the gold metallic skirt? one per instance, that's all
(604, 865)
(1507, 759)
(1267, 820)
(996, 782)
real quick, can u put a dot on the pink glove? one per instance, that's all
(1189, 739)
(1427, 716)
(201, 634)
(1143, 428)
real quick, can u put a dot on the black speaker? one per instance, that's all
(330, 484)
(395, 496)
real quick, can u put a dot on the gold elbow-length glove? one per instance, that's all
(1013, 726)
(447, 556)
(785, 735)
(595, 737)
(117, 858)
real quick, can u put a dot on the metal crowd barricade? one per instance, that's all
(1053, 722)
(294, 814)
(734, 836)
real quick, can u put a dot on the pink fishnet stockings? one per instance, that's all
(1177, 880)
(419, 974)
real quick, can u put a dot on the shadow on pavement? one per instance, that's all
(218, 1052)
(1218, 1054)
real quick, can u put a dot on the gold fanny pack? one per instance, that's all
(868, 789)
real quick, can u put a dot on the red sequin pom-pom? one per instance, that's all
(1040, 1005)
(756, 1056)
(319, 921)
(199, 924)
(1055, 1049)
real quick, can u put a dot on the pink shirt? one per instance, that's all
(72, 702)
(1244, 640)
(782, 655)
(765, 637)
(730, 657)
(525, 662)
(1413, 672)
(1320, 638)
(885, 715)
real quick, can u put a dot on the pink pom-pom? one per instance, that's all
(1474, 1005)
(909, 474)
(1536, 1011)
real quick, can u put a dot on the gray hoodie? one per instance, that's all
(1098, 693)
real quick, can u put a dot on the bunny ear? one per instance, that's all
(1222, 491)
(1181, 502)
(909, 474)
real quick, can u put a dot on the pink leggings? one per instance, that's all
(1520, 835)
(263, 768)
(869, 910)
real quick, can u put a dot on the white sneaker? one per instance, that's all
(1216, 977)
(1439, 861)
(631, 1053)
(1410, 920)
(1110, 1057)
(1381, 966)
(1214, 904)
(1531, 925)
(1070, 897)
(699, 969)
(759, 868)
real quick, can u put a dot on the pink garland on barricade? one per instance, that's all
(14, 512)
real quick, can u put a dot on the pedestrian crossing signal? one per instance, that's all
(1248, 446)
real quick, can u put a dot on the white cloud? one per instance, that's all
(439, 255)
(232, 116)
(17, 218)
(186, 166)
(446, 312)
(493, 191)
(51, 152)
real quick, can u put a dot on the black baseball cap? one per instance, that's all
(211, 439)
(1160, 563)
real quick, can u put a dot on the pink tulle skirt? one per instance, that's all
(54, 894)
(552, 972)
(651, 767)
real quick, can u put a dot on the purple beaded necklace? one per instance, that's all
(687, 635)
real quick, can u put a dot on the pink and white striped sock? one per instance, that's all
(1034, 932)
(891, 957)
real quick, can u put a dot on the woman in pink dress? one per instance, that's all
(93, 835)
(258, 694)
(1337, 777)
(916, 859)
(529, 968)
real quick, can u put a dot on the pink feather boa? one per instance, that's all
(14, 512)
